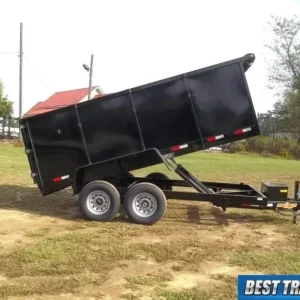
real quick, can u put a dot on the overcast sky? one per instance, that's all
(133, 42)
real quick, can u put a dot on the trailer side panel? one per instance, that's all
(58, 143)
(165, 114)
(221, 101)
(110, 128)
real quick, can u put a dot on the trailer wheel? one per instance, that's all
(158, 175)
(99, 201)
(145, 203)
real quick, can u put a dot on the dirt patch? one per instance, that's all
(24, 228)
(191, 280)
(60, 297)
(12, 225)
(221, 268)
(266, 237)
(152, 239)
(114, 287)
(269, 237)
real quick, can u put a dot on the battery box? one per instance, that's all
(275, 191)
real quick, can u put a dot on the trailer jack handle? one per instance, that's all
(295, 210)
(295, 214)
(297, 190)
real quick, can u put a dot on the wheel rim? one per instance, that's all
(144, 205)
(98, 202)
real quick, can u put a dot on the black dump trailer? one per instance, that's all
(93, 146)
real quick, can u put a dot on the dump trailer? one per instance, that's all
(93, 146)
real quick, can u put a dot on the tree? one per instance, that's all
(266, 123)
(6, 107)
(289, 110)
(271, 122)
(286, 112)
(284, 73)
(284, 69)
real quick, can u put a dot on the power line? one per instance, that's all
(37, 74)
(33, 68)
(9, 52)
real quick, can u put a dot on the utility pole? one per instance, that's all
(91, 75)
(21, 72)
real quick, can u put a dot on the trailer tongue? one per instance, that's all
(92, 146)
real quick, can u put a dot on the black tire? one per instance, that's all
(148, 194)
(158, 175)
(99, 201)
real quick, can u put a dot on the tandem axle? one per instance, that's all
(144, 198)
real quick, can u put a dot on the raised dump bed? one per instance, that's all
(106, 138)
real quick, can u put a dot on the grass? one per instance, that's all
(214, 166)
(152, 279)
(134, 283)
(37, 233)
(65, 255)
(44, 285)
(69, 253)
(47, 249)
(189, 251)
(287, 262)
(191, 294)
(224, 293)
(129, 296)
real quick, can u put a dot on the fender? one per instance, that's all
(115, 167)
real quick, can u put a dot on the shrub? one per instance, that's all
(266, 146)
(237, 147)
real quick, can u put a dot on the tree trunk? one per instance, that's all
(9, 127)
(3, 126)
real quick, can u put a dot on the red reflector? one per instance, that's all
(211, 139)
(61, 178)
(246, 205)
(175, 148)
(238, 131)
(57, 179)
(214, 138)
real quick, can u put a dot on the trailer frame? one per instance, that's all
(220, 194)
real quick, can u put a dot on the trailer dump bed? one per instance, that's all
(179, 115)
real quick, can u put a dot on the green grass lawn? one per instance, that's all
(205, 165)
(195, 252)
(237, 168)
